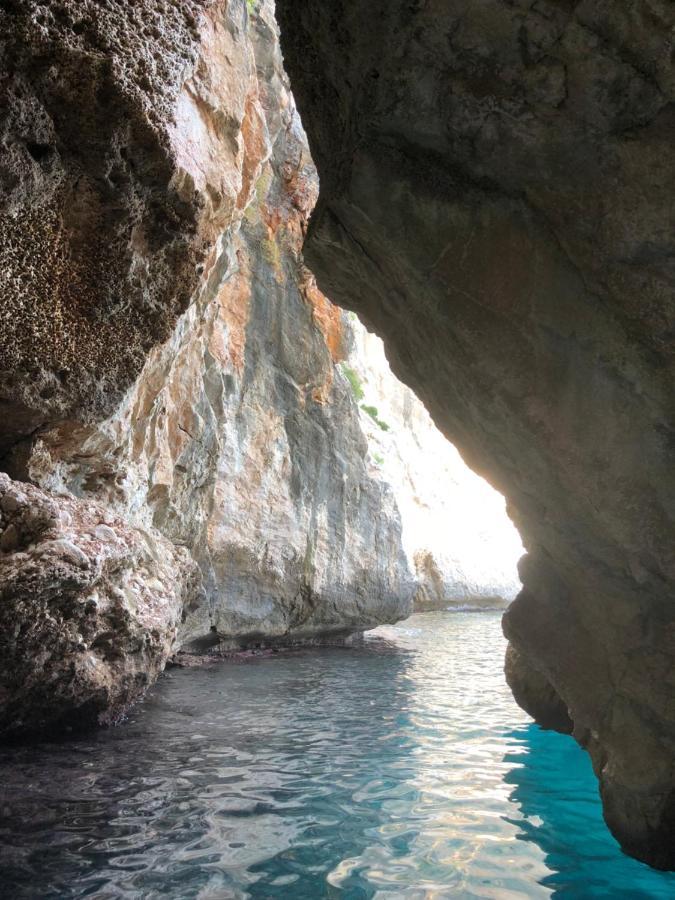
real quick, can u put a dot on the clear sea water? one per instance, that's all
(399, 768)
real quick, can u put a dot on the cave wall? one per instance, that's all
(240, 439)
(210, 489)
(496, 201)
(118, 174)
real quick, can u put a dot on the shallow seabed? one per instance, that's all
(400, 768)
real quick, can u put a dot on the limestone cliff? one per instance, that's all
(497, 183)
(460, 543)
(238, 445)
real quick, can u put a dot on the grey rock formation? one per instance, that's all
(497, 184)
(239, 440)
(89, 610)
(535, 693)
(238, 443)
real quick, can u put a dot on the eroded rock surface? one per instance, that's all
(240, 439)
(168, 367)
(89, 610)
(123, 129)
(535, 693)
(497, 185)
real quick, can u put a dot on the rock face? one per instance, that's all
(89, 610)
(460, 543)
(535, 693)
(130, 138)
(496, 201)
(125, 131)
(239, 440)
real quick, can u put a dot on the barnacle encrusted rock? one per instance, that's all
(497, 186)
(122, 135)
(89, 610)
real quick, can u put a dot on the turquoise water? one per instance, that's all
(399, 768)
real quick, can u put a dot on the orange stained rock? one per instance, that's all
(218, 134)
(321, 394)
(228, 340)
(255, 147)
(327, 317)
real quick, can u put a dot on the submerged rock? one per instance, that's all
(496, 201)
(89, 610)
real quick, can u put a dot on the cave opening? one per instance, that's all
(211, 479)
(462, 549)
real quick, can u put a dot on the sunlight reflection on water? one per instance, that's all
(400, 768)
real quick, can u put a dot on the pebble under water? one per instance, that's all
(397, 768)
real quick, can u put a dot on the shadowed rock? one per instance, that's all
(496, 199)
(535, 694)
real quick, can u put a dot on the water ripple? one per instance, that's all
(399, 769)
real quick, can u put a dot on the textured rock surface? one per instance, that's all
(497, 186)
(200, 469)
(89, 610)
(460, 543)
(240, 439)
(123, 130)
(535, 693)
